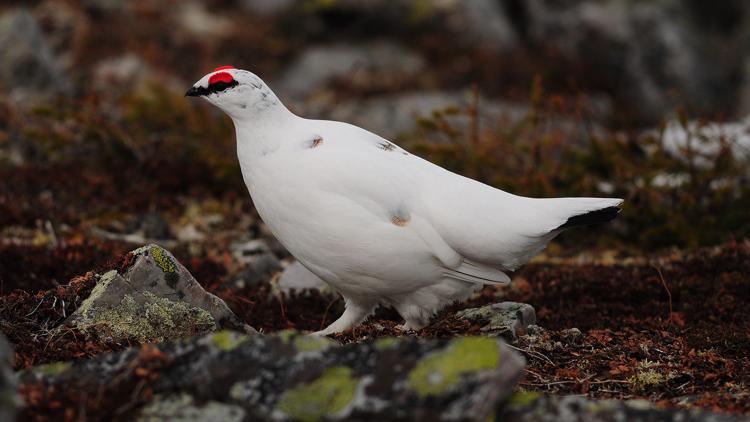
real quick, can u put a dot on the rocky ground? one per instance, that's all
(670, 330)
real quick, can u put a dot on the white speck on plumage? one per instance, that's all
(381, 228)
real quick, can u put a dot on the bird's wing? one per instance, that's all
(475, 230)
(477, 273)
(455, 265)
(397, 186)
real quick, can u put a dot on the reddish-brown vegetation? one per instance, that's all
(676, 331)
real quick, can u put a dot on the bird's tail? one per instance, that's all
(571, 212)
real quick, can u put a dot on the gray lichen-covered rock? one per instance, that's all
(394, 115)
(260, 262)
(156, 298)
(288, 376)
(656, 48)
(503, 319)
(320, 65)
(29, 70)
(533, 407)
(470, 23)
(9, 401)
(182, 407)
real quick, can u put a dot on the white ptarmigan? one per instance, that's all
(380, 225)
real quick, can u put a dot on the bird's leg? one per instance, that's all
(353, 315)
(415, 317)
(412, 324)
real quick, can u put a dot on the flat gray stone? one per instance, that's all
(503, 319)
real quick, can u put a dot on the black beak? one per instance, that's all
(193, 92)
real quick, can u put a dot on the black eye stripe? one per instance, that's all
(216, 87)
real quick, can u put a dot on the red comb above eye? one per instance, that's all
(220, 77)
(224, 68)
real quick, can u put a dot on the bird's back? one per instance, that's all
(479, 222)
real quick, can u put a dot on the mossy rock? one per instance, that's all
(292, 376)
(537, 407)
(440, 371)
(324, 397)
(154, 299)
(182, 407)
(155, 319)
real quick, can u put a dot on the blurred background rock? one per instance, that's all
(638, 59)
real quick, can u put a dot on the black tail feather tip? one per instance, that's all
(592, 217)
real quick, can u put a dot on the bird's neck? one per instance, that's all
(256, 133)
(263, 135)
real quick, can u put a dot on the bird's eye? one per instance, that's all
(220, 77)
(220, 81)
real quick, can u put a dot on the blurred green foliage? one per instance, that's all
(144, 128)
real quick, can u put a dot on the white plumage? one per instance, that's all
(380, 225)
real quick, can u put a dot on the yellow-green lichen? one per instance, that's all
(312, 343)
(183, 407)
(327, 395)
(317, 5)
(639, 404)
(286, 335)
(101, 286)
(386, 343)
(421, 10)
(228, 340)
(439, 371)
(157, 318)
(645, 376)
(645, 379)
(523, 398)
(596, 407)
(52, 368)
(163, 261)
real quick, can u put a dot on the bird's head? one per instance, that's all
(239, 93)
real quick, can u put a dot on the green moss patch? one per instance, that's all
(305, 343)
(228, 340)
(523, 398)
(52, 368)
(327, 395)
(386, 343)
(286, 335)
(439, 371)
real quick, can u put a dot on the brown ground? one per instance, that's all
(631, 345)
